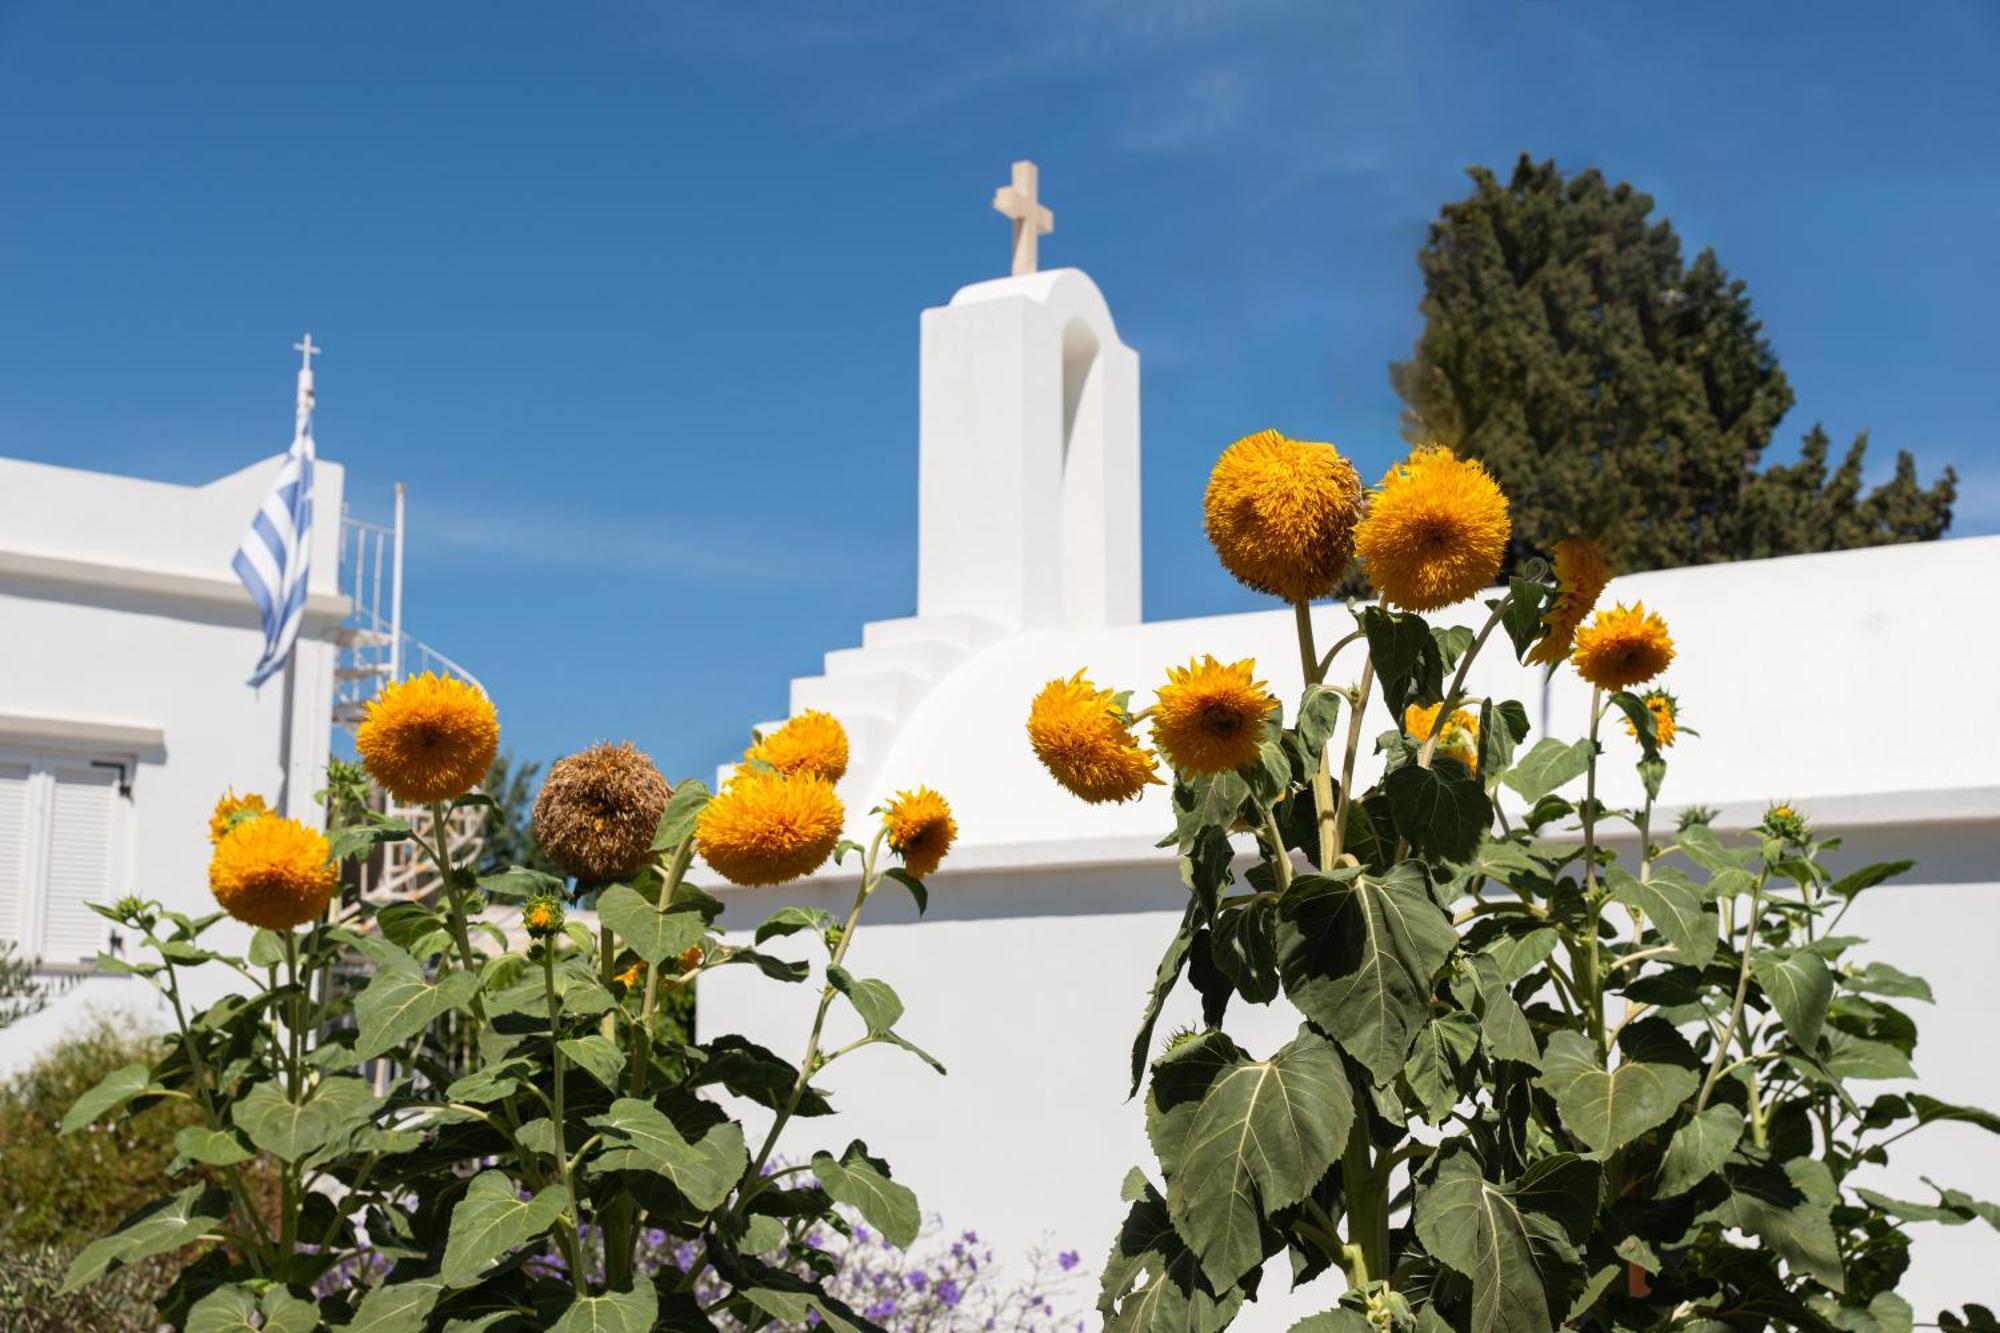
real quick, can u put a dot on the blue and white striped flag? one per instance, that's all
(274, 558)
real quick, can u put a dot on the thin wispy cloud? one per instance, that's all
(618, 546)
(1199, 113)
(1093, 38)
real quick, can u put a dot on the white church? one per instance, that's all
(1027, 975)
(123, 714)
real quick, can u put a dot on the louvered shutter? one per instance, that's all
(13, 850)
(81, 866)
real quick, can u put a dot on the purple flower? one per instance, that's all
(949, 1293)
(881, 1309)
(1068, 1259)
(917, 1281)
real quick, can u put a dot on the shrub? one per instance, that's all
(58, 1188)
(32, 1299)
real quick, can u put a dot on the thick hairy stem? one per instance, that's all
(1456, 694)
(1308, 654)
(1364, 1186)
(206, 1096)
(826, 995)
(554, 1002)
(1729, 1028)
(1281, 860)
(510, 1124)
(620, 1233)
(290, 1182)
(1326, 818)
(1590, 978)
(1360, 706)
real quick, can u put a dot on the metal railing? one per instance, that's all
(375, 650)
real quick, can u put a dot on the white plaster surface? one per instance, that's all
(120, 616)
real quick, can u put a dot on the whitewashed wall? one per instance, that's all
(1027, 976)
(125, 632)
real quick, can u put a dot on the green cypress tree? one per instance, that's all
(1610, 387)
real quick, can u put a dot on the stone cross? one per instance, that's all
(1031, 220)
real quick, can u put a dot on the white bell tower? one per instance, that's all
(1029, 457)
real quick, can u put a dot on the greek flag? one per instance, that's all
(275, 554)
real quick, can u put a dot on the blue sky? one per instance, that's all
(628, 293)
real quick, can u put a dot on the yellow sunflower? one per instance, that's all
(1582, 570)
(272, 872)
(921, 829)
(631, 976)
(1084, 738)
(1666, 711)
(690, 959)
(1461, 732)
(1281, 514)
(766, 828)
(813, 742)
(231, 810)
(1621, 648)
(1435, 532)
(428, 738)
(1209, 717)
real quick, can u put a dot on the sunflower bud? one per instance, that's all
(1781, 821)
(543, 915)
(598, 811)
(135, 911)
(231, 810)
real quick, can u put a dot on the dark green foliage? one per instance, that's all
(1643, 1087)
(497, 1127)
(1608, 385)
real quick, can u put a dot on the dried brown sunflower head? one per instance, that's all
(598, 810)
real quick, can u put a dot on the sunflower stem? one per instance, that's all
(1456, 694)
(1308, 653)
(1314, 669)
(868, 882)
(554, 1002)
(1360, 706)
(1590, 980)
(462, 934)
(1729, 1029)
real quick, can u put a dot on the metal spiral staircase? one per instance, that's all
(375, 650)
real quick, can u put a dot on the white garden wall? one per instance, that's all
(1825, 680)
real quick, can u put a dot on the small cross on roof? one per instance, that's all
(1031, 220)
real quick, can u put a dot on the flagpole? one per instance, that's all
(301, 414)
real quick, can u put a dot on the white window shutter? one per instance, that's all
(13, 851)
(81, 863)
